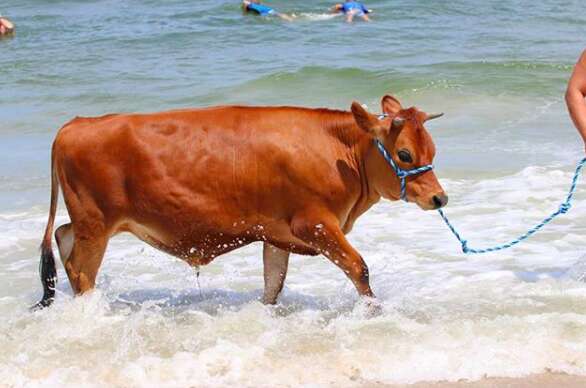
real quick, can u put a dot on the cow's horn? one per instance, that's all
(433, 116)
(398, 123)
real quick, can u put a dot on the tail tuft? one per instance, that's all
(48, 274)
(47, 265)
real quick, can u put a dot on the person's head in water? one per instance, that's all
(255, 6)
(6, 26)
(351, 9)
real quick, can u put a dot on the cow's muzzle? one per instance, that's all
(439, 201)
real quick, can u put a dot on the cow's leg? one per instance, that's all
(89, 244)
(90, 230)
(65, 239)
(323, 233)
(83, 264)
(275, 270)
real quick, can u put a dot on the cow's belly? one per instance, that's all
(200, 244)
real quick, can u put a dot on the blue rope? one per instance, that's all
(563, 209)
(401, 174)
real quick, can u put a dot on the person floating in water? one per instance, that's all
(352, 9)
(255, 6)
(575, 95)
(6, 26)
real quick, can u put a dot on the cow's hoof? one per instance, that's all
(44, 303)
(373, 309)
(268, 301)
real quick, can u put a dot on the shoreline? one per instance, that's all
(553, 380)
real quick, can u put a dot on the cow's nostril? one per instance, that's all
(440, 201)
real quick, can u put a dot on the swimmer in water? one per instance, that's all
(6, 26)
(256, 7)
(352, 9)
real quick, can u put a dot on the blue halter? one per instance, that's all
(401, 174)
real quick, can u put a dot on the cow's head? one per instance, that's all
(402, 133)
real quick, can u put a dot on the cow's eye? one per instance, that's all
(405, 156)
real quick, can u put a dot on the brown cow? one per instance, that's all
(199, 183)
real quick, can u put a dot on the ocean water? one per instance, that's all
(506, 153)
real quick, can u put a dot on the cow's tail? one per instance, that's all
(47, 268)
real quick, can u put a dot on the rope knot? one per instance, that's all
(465, 248)
(564, 207)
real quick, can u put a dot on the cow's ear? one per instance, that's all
(367, 121)
(390, 105)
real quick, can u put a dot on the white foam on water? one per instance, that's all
(578, 270)
(317, 16)
(445, 316)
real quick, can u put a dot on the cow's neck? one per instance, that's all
(381, 179)
(363, 152)
(375, 180)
